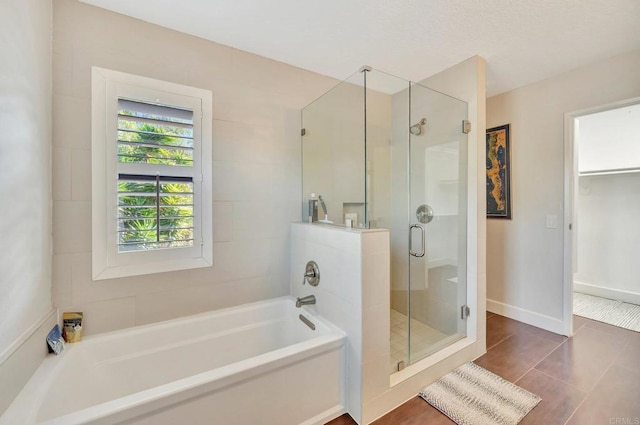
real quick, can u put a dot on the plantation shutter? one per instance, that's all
(155, 149)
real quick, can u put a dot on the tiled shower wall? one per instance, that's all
(256, 166)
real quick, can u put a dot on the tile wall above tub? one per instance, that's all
(256, 166)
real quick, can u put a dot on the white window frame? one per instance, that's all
(107, 262)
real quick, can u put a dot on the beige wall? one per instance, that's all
(524, 258)
(25, 170)
(256, 160)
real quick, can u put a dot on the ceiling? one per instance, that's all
(523, 41)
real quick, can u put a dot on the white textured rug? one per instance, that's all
(613, 312)
(471, 395)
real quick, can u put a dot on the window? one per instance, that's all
(151, 159)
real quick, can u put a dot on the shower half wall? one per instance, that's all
(384, 152)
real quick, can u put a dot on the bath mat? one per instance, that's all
(471, 395)
(613, 312)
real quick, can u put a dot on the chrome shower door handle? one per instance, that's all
(411, 251)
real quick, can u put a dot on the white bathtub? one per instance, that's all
(253, 364)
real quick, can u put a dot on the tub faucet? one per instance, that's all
(308, 300)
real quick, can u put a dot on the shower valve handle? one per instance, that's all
(311, 274)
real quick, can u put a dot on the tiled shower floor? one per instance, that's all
(423, 339)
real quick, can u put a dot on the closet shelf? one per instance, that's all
(609, 172)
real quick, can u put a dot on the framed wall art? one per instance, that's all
(499, 172)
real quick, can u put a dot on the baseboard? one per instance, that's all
(23, 357)
(613, 294)
(326, 416)
(529, 317)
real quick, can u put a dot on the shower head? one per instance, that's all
(416, 129)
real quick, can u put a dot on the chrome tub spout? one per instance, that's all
(308, 300)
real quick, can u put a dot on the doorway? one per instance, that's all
(602, 203)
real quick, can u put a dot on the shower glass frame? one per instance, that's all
(358, 153)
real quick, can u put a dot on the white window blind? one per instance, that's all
(155, 207)
(154, 212)
(154, 134)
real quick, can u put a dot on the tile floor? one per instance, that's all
(590, 379)
(423, 339)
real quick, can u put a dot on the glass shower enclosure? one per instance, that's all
(384, 152)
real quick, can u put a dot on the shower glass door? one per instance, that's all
(437, 222)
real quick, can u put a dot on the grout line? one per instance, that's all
(586, 325)
(545, 357)
(544, 333)
(586, 393)
(591, 390)
(583, 324)
(536, 364)
(501, 341)
(626, 338)
(562, 382)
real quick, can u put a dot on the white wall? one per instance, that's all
(609, 140)
(256, 166)
(608, 236)
(25, 158)
(524, 258)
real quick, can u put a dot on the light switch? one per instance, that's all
(552, 221)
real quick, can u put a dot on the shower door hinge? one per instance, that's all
(465, 312)
(303, 131)
(466, 126)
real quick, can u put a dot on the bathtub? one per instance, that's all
(253, 364)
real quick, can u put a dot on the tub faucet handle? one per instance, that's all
(311, 274)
